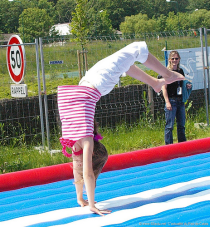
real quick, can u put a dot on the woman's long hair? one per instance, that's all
(172, 53)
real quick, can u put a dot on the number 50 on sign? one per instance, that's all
(16, 59)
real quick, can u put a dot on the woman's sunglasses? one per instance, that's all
(174, 59)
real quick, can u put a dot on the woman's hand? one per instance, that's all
(100, 212)
(168, 106)
(189, 85)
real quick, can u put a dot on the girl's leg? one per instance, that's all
(139, 74)
(170, 76)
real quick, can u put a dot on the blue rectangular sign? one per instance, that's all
(55, 62)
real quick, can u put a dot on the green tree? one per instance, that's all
(128, 26)
(9, 14)
(64, 9)
(161, 23)
(114, 11)
(53, 1)
(104, 24)
(200, 18)
(118, 9)
(145, 25)
(11, 11)
(79, 23)
(172, 22)
(99, 23)
(48, 6)
(184, 21)
(180, 6)
(29, 4)
(138, 24)
(199, 4)
(36, 23)
(155, 8)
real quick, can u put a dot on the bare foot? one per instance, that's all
(175, 76)
(82, 202)
(158, 86)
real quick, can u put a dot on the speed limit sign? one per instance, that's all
(16, 59)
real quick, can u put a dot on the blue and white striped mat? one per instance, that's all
(174, 192)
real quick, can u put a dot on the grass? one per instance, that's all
(21, 158)
(145, 136)
(123, 138)
(68, 53)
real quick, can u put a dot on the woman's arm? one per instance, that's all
(165, 95)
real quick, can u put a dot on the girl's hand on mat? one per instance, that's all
(100, 212)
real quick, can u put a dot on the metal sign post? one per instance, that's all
(204, 76)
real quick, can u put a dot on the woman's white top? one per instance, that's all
(105, 74)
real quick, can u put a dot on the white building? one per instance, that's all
(63, 29)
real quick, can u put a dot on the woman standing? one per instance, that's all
(174, 105)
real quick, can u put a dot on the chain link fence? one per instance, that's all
(64, 62)
(19, 117)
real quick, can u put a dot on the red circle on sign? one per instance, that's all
(16, 77)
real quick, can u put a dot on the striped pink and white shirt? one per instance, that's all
(76, 105)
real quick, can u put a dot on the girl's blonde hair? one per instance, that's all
(172, 53)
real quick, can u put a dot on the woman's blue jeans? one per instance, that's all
(178, 112)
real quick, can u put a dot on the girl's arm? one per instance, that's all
(88, 175)
(78, 179)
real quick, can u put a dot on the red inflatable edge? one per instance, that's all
(50, 174)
